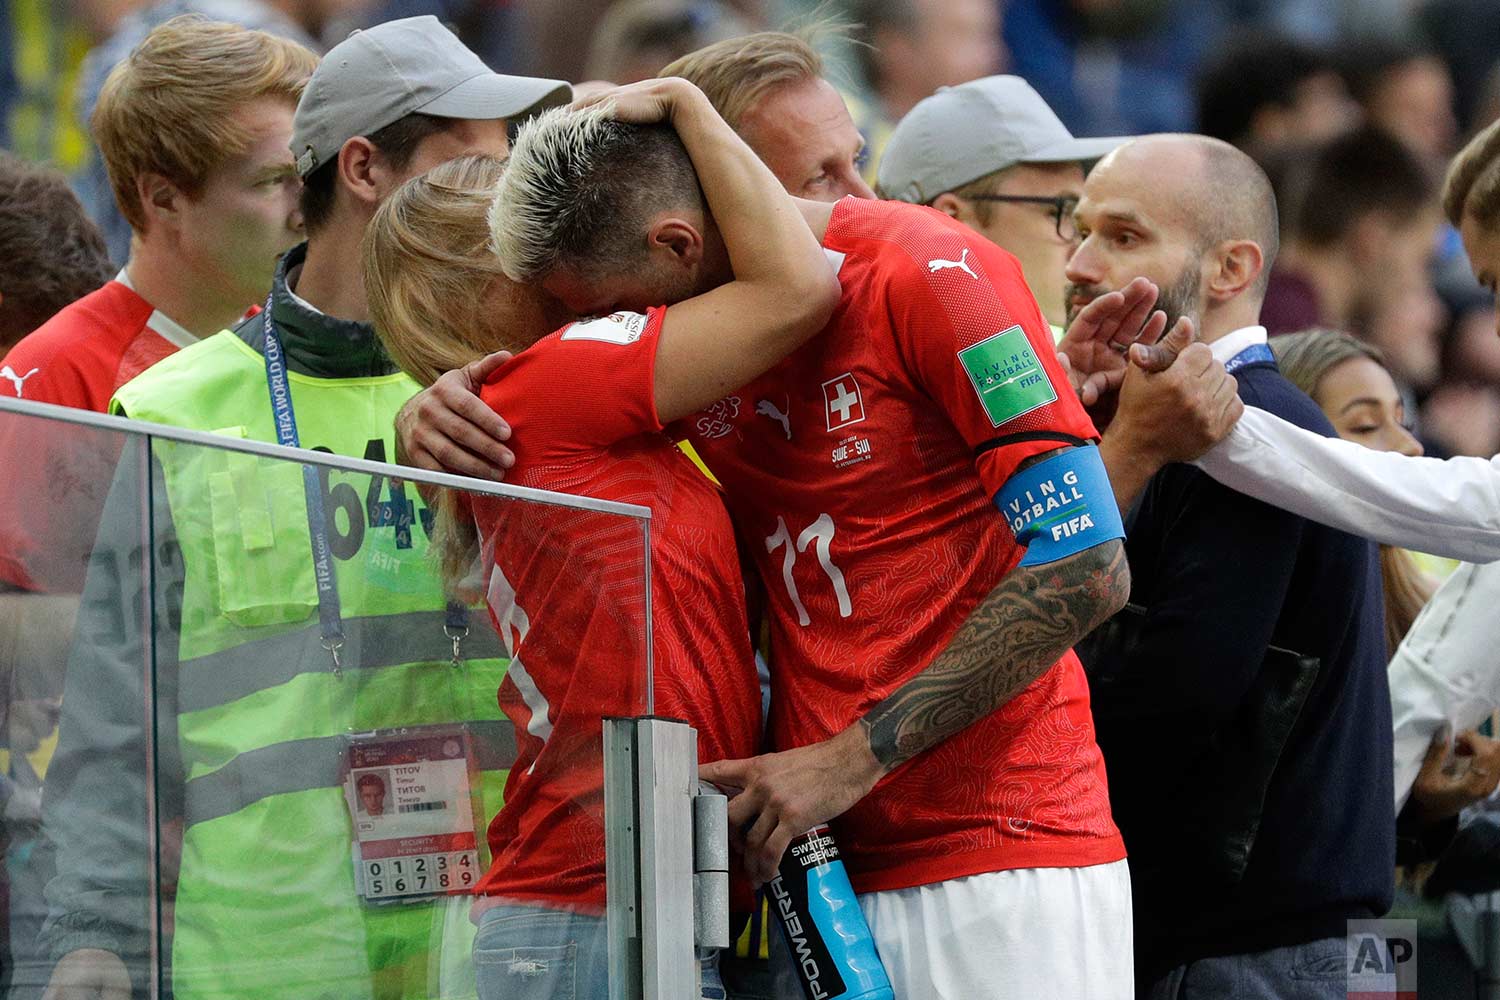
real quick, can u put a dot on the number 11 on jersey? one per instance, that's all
(819, 534)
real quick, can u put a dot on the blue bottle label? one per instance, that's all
(825, 929)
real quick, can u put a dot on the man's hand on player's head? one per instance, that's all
(777, 797)
(1175, 401)
(448, 428)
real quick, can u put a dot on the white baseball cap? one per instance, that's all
(378, 76)
(963, 133)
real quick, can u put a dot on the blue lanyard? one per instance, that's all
(330, 616)
(1254, 354)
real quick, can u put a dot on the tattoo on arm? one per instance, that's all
(1022, 628)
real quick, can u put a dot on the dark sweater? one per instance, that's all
(1223, 577)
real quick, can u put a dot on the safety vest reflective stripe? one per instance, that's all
(303, 765)
(370, 642)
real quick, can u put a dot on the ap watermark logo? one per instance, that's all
(1380, 958)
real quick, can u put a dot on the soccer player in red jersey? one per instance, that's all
(564, 587)
(923, 682)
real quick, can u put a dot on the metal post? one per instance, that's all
(650, 774)
(666, 775)
(621, 860)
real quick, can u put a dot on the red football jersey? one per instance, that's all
(566, 593)
(77, 358)
(860, 472)
(89, 349)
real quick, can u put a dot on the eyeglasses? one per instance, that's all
(1062, 210)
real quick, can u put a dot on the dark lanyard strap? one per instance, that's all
(330, 615)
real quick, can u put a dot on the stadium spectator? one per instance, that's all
(636, 38)
(992, 155)
(893, 384)
(907, 50)
(386, 104)
(1266, 92)
(194, 129)
(95, 188)
(1360, 226)
(1444, 673)
(1348, 380)
(536, 895)
(1407, 90)
(770, 88)
(54, 253)
(1244, 867)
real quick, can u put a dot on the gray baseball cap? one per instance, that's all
(963, 133)
(380, 75)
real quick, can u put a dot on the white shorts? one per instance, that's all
(1022, 934)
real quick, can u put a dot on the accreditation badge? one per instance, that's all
(410, 794)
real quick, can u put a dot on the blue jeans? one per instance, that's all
(1312, 971)
(537, 953)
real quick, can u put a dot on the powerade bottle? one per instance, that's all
(822, 924)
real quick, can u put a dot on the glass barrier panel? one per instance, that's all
(296, 763)
(60, 770)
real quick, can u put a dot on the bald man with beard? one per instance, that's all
(1243, 709)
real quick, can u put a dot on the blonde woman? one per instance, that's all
(588, 404)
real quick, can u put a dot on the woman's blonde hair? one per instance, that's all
(1305, 359)
(430, 278)
(429, 267)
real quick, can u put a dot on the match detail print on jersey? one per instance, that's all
(616, 328)
(1061, 506)
(1007, 375)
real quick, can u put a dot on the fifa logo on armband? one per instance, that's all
(1071, 527)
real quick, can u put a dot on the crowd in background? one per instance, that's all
(1352, 108)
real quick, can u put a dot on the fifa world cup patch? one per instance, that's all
(621, 328)
(1061, 505)
(1007, 375)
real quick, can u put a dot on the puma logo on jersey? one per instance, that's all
(19, 380)
(934, 266)
(766, 408)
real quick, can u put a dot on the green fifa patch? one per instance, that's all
(1007, 375)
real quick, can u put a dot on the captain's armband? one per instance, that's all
(1060, 506)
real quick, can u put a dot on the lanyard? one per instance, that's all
(330, 616)
(1253, 354)
(330, 613)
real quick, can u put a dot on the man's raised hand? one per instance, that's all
(1099, 335)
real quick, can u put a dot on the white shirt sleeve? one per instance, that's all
(1446, 669)
(1448, 508)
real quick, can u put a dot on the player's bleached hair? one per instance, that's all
(578, 189)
